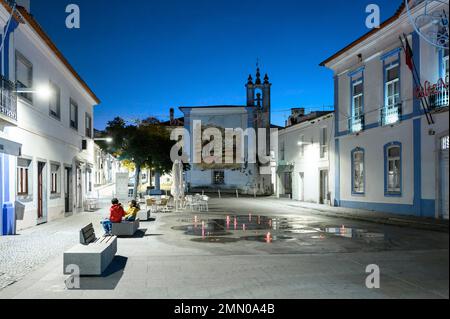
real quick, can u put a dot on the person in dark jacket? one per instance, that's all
(116, 213)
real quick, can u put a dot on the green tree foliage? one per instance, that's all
(146, 144)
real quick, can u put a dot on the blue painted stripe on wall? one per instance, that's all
(417, 145)
(6, 196)
(401, 209)
(417, 106)
(428, 207)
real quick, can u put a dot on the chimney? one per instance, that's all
(172, 115)
(25, 4)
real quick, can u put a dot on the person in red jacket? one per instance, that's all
(116, 213)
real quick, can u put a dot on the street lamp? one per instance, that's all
(104, 139)
(43, 91)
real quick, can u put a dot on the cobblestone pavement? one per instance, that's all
(21, 254)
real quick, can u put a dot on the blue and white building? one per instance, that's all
(387, 156)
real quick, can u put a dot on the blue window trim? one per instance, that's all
(358, 149)
(386, 148)
(352, 74)
(390, 54)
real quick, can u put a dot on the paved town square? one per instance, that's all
(168, 258)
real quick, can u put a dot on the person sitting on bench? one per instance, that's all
(116, 213)
(132, 211)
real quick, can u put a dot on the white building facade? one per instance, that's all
(49, 162)
(105, 167)
(247, 176)
(387, 156)
(304, 171)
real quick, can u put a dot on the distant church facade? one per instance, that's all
(245, 175)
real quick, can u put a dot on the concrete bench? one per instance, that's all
(144, 215)
(125, 228)
(93, 255)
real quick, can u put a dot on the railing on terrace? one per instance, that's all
(8, 99)
(356, 123)
(390, 115)
(439, 98)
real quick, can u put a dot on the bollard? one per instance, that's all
(219, 193)
(237, 193)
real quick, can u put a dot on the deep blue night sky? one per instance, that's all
(142, 57)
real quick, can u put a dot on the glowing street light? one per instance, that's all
(105, 139)
(43, 91)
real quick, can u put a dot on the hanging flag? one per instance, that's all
(409, 55)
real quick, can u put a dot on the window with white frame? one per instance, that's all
(23, 177)
(323, 142)
(357, 98)
(73, 114)
(392, 86)
(358, 172)
(55, 179)
(445, 143)
(394, 174)
(88, 125)
(24, 75)
(55, 101)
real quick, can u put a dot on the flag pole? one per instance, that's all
(416, 79)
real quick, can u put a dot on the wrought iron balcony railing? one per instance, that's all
(8, 99)
(440, 98)
(391, 114)
(356, 124)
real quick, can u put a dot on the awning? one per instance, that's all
(10, 148)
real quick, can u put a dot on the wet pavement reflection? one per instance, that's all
(266, 229)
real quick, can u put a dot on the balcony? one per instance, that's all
(8, 101)
(439, 97)
(390, 115)
(356, 124)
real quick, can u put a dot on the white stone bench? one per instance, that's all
(93, 255)
(125, 228)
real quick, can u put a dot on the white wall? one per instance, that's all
(310, 163)
(44, 138)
